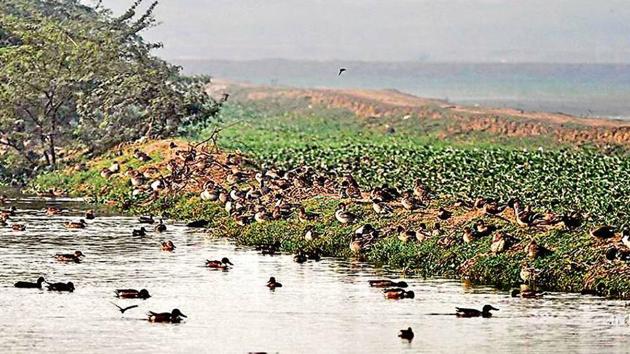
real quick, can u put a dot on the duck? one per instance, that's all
(444, 214)
(397, 293)
(167, 317)
(76, 225)
(384, 283)
(420, 190)
(437, 230)
(90, 215)
(224, 263)
(18, 227)
(261, 215)
(300, 257)
(168, 246)
(198, 223)
(405, 235)
(29, 285)
(526, 217)
(406, 334)
(8, 212)
(408, 202)
(344, 216)
(210, 195)
(160, 227)
(114, 167)
(132, 294)
(381, 208)
(469, 235)
(526, 293)
(139, 232)
(310, 234)
(492, 208)
(69, 287)
(146, 219)
(51, 211)
(534, 250)
(482, 229)
(603, 232)
(527, 273)
(501, 242)
(272, 283)
(305, 216)
(70, 257)
(625, 238)
(485, 312)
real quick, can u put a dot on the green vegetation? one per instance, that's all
(75, 78)
(558, 178)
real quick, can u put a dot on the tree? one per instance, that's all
(74, 76)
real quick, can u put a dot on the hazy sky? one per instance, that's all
(394, 30)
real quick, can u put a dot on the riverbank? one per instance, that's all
(170, 184)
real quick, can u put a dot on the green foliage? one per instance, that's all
(73, 76)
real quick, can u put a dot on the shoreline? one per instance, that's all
(575, 262)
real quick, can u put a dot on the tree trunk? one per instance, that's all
(51, 149)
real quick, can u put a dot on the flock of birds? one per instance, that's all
(272, 194)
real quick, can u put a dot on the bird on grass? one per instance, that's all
(123, 309)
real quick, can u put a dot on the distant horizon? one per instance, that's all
(171, 59)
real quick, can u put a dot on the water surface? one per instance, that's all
(323, 307)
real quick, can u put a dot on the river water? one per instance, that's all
(324, 306)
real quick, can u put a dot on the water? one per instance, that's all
(323, 307)
(579, 89)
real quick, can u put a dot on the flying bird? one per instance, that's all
(122, 310)
(341, 70)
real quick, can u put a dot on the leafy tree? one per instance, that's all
(74, 76)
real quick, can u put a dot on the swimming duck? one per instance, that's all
(384, 283)
(272, 283)
(300, 257)
(170, 317)
(69, 287)
(160, 227)
(51, 211)
(406, 334)
(18, 227)
(29, 285)
(485, 312)
(306, 216)
(397, 293)
(603, 232)
(168, 246)
(344, 216)
(526, 294)
(70, 257)
(139, 232)
(76, 225)
(8, 212)
(444, 214)
(198, 223)
(90, 215)
(132, 294)
(3, 222)
(146, 219)
(224, 263)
